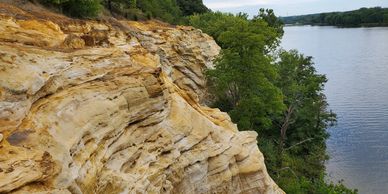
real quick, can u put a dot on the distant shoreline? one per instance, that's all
(364, 17)
(322, 25)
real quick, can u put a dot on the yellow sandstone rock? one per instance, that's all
(115, 107)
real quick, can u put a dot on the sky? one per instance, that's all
(291, 7)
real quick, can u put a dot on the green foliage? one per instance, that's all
(243, 78)
(171, 11)
(294, 176)
(299, 166)
(83, 8)
(165, 10)
(191, 7)
(376, 16)
(278, 95)
(77, 8)
(303, 185)
(272, 20)
(132, 4)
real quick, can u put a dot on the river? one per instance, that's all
(355, 60)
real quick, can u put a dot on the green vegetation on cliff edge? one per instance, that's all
(172, 11)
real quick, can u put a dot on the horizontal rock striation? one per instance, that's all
(115, 107)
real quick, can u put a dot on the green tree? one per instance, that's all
(83, 8)
(77, 8)
(268, 15)
(243, 78)
(301, 127)
(171, 11)
(166, 10)
(302, 88)
(385, 20)
(132, 4)
(190, 7)
(280, 97)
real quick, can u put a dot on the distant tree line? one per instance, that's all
(367, 17)
(172, 11)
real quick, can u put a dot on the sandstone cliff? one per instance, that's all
(115, 107)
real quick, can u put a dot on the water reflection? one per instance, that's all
(355, 61)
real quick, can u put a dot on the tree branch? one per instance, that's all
(304, 141)
(286, 168)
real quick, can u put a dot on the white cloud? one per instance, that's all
(216, 4)
(225, 4)
(291, 7)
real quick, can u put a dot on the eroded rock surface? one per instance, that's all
(115, 107)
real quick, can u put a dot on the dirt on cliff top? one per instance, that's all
(25, 10)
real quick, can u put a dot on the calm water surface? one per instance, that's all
(356, 63)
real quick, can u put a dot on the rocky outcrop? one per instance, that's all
(115, 107)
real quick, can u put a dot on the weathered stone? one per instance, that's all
(120, 112)
(75, 42)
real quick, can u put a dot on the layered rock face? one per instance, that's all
(115, 107)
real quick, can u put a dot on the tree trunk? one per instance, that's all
(110, 6)
(283, 133)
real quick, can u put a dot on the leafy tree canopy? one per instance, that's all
(172, 11)
(274, 92)
(191, 7)
(243, 78)
(77, 8)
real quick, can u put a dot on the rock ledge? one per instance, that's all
(115, 107)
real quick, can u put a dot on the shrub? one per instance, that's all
(76, 8)
(83, 8)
